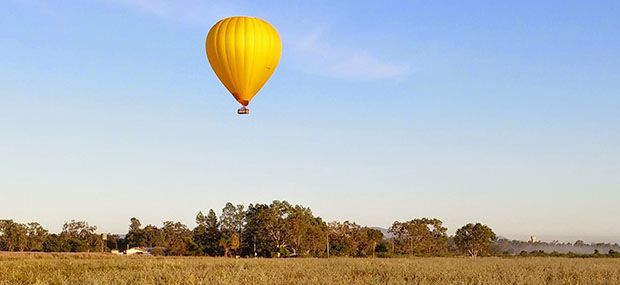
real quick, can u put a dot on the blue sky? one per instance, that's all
(501, 112)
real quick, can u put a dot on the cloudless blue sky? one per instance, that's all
(504, 112)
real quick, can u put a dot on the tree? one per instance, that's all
(232, 223)
(81, 236)
(297, 224)
(306, 234)
(153, 236)
(113, 242)
(341, 241)
(315, 238)
(351, 239)
(232, 219)
(177, 237)
(420, 236)
(36, 236)
(230, 244)
(199, 233)
(212, 234)
(13, 236)
(374, 236)
(135, 235)
(279, 229)
(206, 234)
(366, 239)
(55, 243)
(256, 239)
(193, 248)
(475, 239)
(200, 219)
(275, 225)
(385, 246)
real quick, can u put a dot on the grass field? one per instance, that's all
(107, 269)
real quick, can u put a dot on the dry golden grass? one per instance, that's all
(108, 269)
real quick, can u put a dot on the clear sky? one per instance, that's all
(503, 112)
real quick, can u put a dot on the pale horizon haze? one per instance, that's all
(505, 113)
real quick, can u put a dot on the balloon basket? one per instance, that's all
(243, 111)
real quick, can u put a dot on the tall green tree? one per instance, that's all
(199, 233)
(341, 238)
(212, 234)
(275, 225)
(232, 219)
(13, 236)
(475, 239)
(177, 238)
(315, 238)
(282, 229)
(201, 219)
(305, 234)
(153, 236)
(81, 236)
(297, 224)
(255, 236)
(206, 235)
(420, 236)
(135, 235)
(232, 223)
(36, 236)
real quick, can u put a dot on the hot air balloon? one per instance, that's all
(243, 52)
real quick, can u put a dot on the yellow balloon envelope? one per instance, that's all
(243, 52)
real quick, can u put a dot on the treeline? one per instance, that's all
(76, 236)
(554, 248)
(278, 229)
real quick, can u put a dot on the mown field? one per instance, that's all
(108, 269)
